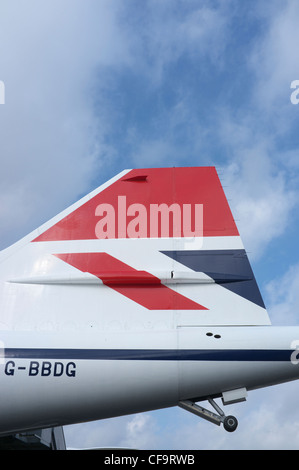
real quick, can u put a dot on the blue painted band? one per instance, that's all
(241, 355)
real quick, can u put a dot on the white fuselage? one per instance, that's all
(51, 379)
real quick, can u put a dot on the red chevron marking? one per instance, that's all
(139, 286)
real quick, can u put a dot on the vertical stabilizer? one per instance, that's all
(154, 248)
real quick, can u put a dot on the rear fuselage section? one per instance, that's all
(51, 379)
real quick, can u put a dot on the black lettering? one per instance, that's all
(71, 369)
(33, 368)
(46, 368)
(9, 368)
(58, 369)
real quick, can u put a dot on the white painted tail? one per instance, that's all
(152, 248)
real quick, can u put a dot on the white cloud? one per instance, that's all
(284, 297)
(138, 431)
(261, 201)
(275, 59)
(257, 185)
(52, 142)
(161, 33)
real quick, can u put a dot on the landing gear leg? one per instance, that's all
(230, 423)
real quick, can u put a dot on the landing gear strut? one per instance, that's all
(230, 423)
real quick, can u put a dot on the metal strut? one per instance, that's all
(230, 423)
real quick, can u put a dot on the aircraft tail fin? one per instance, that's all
(156, 247)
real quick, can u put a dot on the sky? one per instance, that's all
(95, 87)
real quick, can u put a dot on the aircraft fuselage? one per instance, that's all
(51, 379)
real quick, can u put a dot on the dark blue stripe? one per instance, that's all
(151, 354)
(230, 268)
